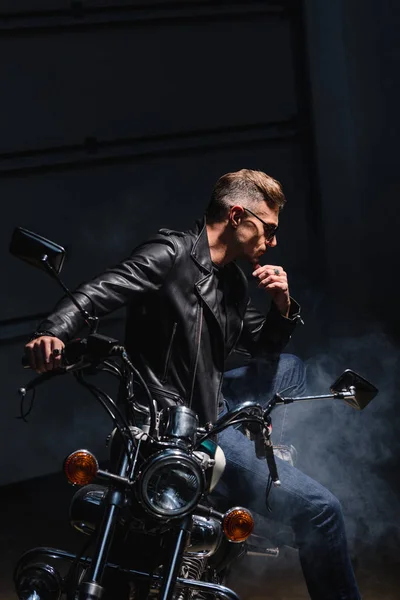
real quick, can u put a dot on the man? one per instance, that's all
(187, 311)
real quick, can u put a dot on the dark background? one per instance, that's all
(117, 119)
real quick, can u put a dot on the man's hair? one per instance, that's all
(245, 187)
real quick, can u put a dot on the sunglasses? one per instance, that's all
(269, 229)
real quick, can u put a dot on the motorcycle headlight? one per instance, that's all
(171, 484)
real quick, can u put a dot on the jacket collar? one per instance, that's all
(201, 250)
(201, 255)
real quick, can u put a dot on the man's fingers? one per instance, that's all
(41, 355)
(270, 269)
(272, 283)
(39, 358)
(53, 356)
(56, 352)
(266, 271)
(46, 347)
(30, 355)
(276, 285)
(271, 279)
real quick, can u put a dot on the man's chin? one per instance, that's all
(253, 260)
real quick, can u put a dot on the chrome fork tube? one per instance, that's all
(171, 569)
(91, 588)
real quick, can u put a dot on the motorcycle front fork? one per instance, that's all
(171, 568)
(91, 588)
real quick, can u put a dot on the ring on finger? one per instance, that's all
(277, 272)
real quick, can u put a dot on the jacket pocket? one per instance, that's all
(168, 354)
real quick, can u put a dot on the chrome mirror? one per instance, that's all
(37, 250)
(357, 391)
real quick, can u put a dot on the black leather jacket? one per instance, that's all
(173, 332)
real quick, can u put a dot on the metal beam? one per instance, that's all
(93, 151)
(80, 17)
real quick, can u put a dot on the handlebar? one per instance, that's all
(94, 348)
(256, 422)
(92, 352)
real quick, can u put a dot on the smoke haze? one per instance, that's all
(355, 453)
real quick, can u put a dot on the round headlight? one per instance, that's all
(171, 484)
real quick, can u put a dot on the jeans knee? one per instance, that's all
(292, 372)
(334, 505)
(293, 363)
(329, 511)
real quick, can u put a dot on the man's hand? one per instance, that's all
(274, 281)
(44, 353)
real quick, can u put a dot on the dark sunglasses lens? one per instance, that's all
(270, 233)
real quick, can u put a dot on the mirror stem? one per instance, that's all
(91, 322)
(343, 395)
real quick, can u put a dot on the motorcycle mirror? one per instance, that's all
(361, 391)
(36, 250)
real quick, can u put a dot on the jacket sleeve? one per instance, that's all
(268, 334)
(142, 273)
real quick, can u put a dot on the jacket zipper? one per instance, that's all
(236, 340)
(168, 357)
(198, 341)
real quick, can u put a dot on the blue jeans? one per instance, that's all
(314, 514)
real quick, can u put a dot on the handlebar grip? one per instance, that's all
(25, 361)
(72, 353)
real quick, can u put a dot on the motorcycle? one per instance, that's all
(147, 516)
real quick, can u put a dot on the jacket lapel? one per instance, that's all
(206, 285)
(236, 306)
(241, 286)
(206, 288)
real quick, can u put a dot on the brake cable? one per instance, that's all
(107, 402)
(23, 414)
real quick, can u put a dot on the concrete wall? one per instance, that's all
(354, 51)
(115, 123)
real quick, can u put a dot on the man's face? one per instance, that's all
(254, 233)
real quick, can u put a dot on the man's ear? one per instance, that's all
(235, 215)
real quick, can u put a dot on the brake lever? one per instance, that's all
(43, 377)
(260, 435)
(269, 450)
(271, 462)
(33, 383)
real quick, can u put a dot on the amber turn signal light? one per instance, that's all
(238, 524)
(81, 467)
